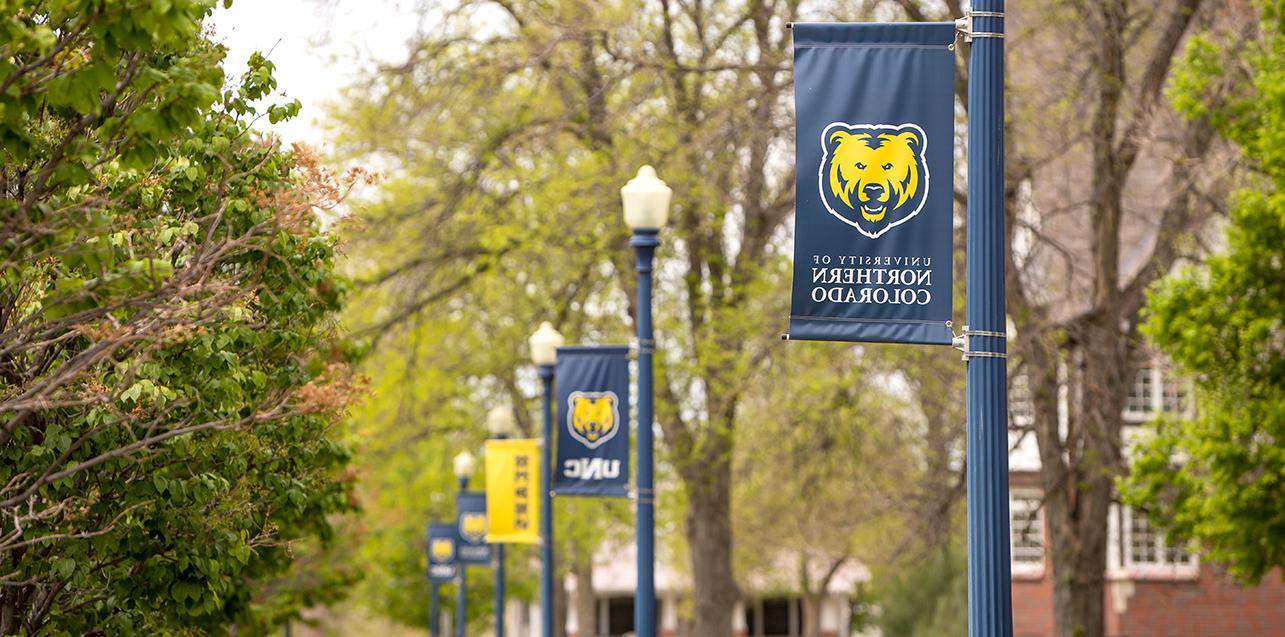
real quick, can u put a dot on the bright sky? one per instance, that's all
(318, 47)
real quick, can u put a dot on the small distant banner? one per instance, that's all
(470, 506)
(874, 190)
(593, 414)
(442, 544)
(513, 491)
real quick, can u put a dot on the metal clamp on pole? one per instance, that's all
(644, 495)
(963, 343)
(964, 25)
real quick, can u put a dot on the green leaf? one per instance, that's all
(65, 567)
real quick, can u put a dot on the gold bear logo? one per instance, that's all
(593, 417)
(877, 171)
(442, 549)
(473, 526)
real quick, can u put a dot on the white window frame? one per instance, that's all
(1160, 568)
(1160, 374)
(1148, 371)
(1028, 498)
(1021, 404)
(1182, 388)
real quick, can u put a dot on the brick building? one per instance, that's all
(1153, 589)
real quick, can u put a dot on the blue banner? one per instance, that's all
(593, 417)
(443, 542)
(470, 506)
(874, 190)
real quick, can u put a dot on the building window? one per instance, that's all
(1141, 399)
(1155, 389)
(1021, 406)
(774, 617)
(616, 616)
(1026, 524)
(1174, 394)
(1145, 546)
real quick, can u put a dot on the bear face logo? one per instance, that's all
(473, 527)
(873, 176)
(441, 549)
(593, 417)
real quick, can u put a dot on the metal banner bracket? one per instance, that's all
(964, 25)
(963, 343)
(644, 495)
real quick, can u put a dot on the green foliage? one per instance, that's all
(434, 383)
(171, 370)
(927, 599)
(495, 217)
(508, 133)
(1219, 480)
(815, 483)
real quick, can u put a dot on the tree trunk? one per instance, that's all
(1081, 460)
(586, 608)
(1080, 470)
(1079, 589)
(707, 476)
(812, 614)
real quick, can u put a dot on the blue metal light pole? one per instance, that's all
(499, 422)
(646, 203)
(434, 622)
(544, 353)
(990, 605)
(645, 243)
(461, 597)
(464, 465)
(499, 590)
(546, 506)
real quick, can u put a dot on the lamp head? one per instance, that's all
(499, 422)
(544, 345)
(464, 465)
(646, 200)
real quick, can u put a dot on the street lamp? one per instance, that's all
(646, 202)
(499, 423)
(544, 353)
(464, 465)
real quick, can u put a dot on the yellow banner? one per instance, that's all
(513, 491)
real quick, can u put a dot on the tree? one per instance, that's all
(546, 111)
(438, 371)
(928, 598)
(1218, 479)
(543, 121)
(170, 377)
(825, 469)
(1105, 188)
